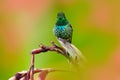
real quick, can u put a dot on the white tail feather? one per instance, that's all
(73, 51)
(78, 52)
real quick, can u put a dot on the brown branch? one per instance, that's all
(42, 48)
(54, 48)
(26, 75)
(22, 75)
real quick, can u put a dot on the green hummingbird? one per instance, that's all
(63, 31)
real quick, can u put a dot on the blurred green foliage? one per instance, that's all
(24, 26)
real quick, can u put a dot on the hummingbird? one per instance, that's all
(63, 32)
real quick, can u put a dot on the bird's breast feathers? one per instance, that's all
(63, 31)
(60, 28)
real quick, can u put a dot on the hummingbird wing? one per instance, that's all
(70, 31)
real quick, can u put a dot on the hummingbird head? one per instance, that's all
(61, 19)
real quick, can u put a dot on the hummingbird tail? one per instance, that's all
(78, 52)
(74, 52)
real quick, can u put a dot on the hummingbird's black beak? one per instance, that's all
(60, 14)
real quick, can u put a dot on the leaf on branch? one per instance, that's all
(43, 73)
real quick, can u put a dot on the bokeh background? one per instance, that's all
(24, 24)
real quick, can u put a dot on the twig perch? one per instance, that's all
(29, 75)
(54, 48)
